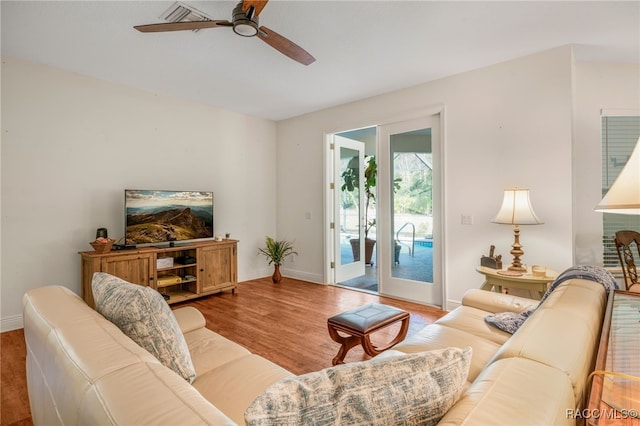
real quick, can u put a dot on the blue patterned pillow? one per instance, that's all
(143, 315)
(406, 389)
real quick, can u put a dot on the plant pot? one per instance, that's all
(368, 250)
(276, 277)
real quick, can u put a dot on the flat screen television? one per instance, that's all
(153, 217)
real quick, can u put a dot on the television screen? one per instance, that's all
(165, 216)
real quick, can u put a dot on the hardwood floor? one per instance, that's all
(285, 323)
(14, 402)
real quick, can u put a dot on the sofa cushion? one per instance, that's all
(143, 315)
(472, 320)
(210, 350)
(491, 301)
(515, 391)
(405, 389)
(233, 386)
(437, 336)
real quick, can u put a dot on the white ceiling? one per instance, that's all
(362, 48)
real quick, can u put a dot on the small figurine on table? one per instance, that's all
(492, 261)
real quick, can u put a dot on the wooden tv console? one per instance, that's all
(211, 267)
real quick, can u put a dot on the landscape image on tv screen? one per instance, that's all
(162, 216)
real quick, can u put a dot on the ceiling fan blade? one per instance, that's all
(257, 5)
(285, 46)
(181, 26)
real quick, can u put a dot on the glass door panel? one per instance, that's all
(408, 223)
(412, 205)
(348, 225)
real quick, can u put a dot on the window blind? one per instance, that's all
(619, 137)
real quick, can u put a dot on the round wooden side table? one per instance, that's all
(495, 281)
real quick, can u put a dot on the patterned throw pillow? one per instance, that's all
(414, 389)
(143, 315)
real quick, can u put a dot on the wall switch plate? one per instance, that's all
(467, 219)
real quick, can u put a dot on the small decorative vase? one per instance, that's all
(276, 277)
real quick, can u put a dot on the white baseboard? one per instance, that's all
(290, 273)
(452, 304)
(304, 276)
(11, 323)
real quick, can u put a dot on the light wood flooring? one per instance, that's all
(285, 323)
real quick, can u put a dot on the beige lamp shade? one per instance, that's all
(624, 195)
(516, 209)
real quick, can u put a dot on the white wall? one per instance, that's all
(598, 87)
(71, 145)
(505, 125)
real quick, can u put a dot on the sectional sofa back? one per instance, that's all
(81, 369)
(539, 375)
(563, 333)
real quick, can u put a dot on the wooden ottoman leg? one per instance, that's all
(358, 324)
(347, 343)
(372, 350)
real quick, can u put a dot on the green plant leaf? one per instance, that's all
(277, 251)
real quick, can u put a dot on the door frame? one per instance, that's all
(378, 119)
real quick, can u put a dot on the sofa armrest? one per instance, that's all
(189, 319)
(491, 301)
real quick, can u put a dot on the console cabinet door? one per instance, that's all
(217, 267)
(134, 268)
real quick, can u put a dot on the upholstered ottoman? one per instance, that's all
(359, 323)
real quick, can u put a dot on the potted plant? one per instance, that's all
(276, 252)
(350, 182)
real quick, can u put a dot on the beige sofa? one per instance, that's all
(537, 376)
(82, 370)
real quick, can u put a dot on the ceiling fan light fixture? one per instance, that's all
(244, 24)
(245, 29)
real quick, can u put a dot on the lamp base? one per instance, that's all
(515, 268)
(516, 252)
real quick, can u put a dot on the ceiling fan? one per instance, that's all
(244, 23)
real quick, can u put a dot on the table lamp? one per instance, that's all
(516, 210)
(624, 195)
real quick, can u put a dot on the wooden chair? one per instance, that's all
(625, 240)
